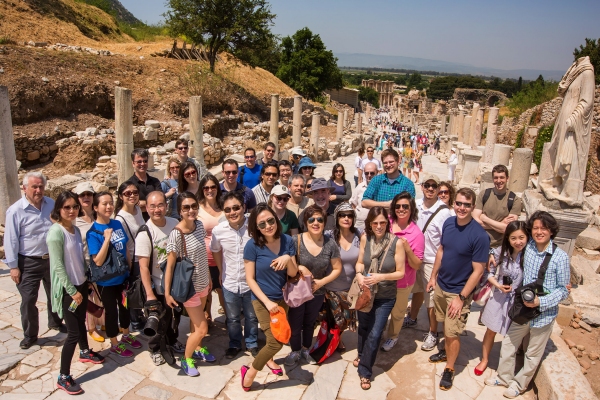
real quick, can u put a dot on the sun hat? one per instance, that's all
(453, 149)
(345, 206)
(431, 177)
(306, 162)
(83, 187)
(318, 184)
(280, 190)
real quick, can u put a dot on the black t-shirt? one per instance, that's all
(150, 185)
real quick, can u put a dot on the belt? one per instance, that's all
(44, 257)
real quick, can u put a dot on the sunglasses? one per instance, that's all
(308, 185)
(312, 220)
(370, 173)
(430, 185)
(272, 174)
(86, 194)
(339, 171)
(269, 151)
(176, 167)
(281, 198)
(231, 172)
(444, 192)
(182, 148)
(188, 207)
(249, 157)
(375, 223)
(262, 225)
(228, 210)
(461, 204)
(142, 161)
(209, 188)
(346, 215)
(131, 193)
(190, 174)
(71, 208)
(403, 206)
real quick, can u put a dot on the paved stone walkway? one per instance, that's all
(403, 373)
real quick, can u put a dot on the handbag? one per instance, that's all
(93, 308)
(328, 337)
(114, 265)
(298, 289)
(482, 295)
(519, 312)
(182, 287)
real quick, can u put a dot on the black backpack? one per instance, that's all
(511, 198)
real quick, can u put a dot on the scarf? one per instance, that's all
(378, 248)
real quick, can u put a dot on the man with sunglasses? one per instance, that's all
(297, 155)
(320, 191)
(268, 154)
(370, 170)
(268, 177)
(230, 184)
(432, 215)
(227, 246)
(458, 267)
(181, 151)
(145, 182)
(249, 174)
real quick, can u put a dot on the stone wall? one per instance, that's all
(592, 182)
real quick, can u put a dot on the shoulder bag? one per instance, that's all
(114, 265)
(136, 294)
(298, 289)
(182, 287)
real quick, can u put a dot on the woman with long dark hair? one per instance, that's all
(447, 194)
(188, 180)
(69, 286)
(342, 189)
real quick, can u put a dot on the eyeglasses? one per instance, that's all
(249, 157)
(346, 215)
(155, 206)
(142, 161)
(430, 185)
(71, 208)
(369, 151)
(312, 220)
(281, 198)
(272, 174)
(403, 206)
(209, 188)
(182, 148)
(262, 225)
(370, 173)
(86, 194)
(190, 174)
(461, 204)
(228, 210)
(188, 207)
(444, 192)
(296, 156)
(375, 223)
(231, 172)
(339, 171)
(130, 193)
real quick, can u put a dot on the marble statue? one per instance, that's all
(570, 145)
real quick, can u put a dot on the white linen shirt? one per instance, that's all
(433, 234)
(232, 243)
(356, 201)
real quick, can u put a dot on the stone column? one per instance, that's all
(501, 154)
(519, 173)
(471, 167)
(476, 139)
(340, 128)
(490, 138)
(314, 135)
(451, 123)
(466, 133)
(443, 125)
(274, 131)
(359, 123)
(297, 123)
(345, 118)
(9, 175)
(123, 132)
(460, 124)
(197, 129)
(473, 121)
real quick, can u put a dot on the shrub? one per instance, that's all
(544, 135)
(536, 92)
(519, 141)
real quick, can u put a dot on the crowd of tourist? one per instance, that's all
(271, 224)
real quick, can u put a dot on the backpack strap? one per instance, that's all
(184, 254)
(486, 196)
(242, 172)
(440, 208)
(144, 228)
(539, 283)
(127, 226)
(511, 200)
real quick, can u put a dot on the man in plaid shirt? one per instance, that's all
(543, 228)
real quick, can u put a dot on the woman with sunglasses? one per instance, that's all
(318, 257)
(342, 189)
(307, 167)
(268, 260)
(379, 249)
(188, 180)
(347, 238)
(105, 231)
(446, 194)
(69, 286)
(210, 213)
(278, 200)
(169, 186)
(404, 216)
(190, 230)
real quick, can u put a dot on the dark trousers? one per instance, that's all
(302, 322)
(370, 330)
(77, 333)
(34, 271)
(166, 327)
(115, 313)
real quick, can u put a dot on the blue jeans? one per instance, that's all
(370, 330)
(234, 302)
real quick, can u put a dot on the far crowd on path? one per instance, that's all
(286, 251)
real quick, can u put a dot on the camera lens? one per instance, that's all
(528, 295)
(151, 326)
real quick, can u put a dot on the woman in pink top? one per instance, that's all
(209, 213)
(403, 218)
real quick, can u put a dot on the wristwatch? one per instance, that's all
(461, 297)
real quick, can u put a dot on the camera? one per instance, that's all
(507, 280)
(154, 311)
(528, 295)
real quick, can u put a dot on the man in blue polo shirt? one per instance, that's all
(249, 174)
(383, 188)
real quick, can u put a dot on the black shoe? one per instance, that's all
(447, 378)
(89, 356)
(439, 357)
(253, 351)
(27, 343)
(62, 328)
(232, 352)
(66, 383)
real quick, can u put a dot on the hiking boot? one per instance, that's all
(447, 378)
(232, 352)
(178, 348)
(90, 356)
(389, 344)
(157, 358)
(438, 357)
(121, 351)
(409, 323)
(188, 365)
(66, 383)
(131, 341)
(429, 342)
(292, 358)
(203, 355)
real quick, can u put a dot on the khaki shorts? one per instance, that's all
(452, 327)
(423, 276)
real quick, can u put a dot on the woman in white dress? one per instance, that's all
(452, 163)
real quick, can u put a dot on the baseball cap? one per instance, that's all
(280, 190)
(296, 151)
(84, 187)
(431, 177)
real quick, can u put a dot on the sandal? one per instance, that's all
(356, 362)
(243, 371)
(365, 382)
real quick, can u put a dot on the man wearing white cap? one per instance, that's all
(452, 163)
(297, 154)
(280, 196)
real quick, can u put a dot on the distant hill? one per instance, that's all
(363, 60)
(115, 8)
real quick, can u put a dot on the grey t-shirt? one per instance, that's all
(349, 259)
(320, 265)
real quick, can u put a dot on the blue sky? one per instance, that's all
(510, 34)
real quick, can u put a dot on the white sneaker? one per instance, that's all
(389, 344)
(429, 342)
(292, 358)
(494, 382)
(157, 358)
(511, 393)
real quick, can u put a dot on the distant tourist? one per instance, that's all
(249, 174)
(268, 154)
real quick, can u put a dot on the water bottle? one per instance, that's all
(73, 306)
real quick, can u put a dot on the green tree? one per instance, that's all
(534, 93)
(307, 66)
(591, 49)
(237, 26)
(369, 95)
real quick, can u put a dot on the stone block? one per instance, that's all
(170, 146)
(33, 155)
(589, 238)
(90, 142)
(583, 271)
(565, 314)
(152, 124)
(91, 131)
(150, 134)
